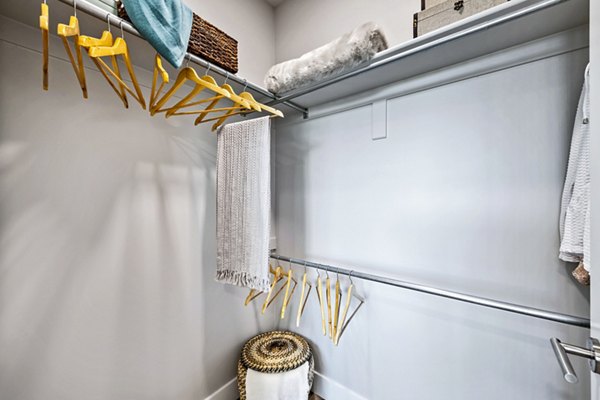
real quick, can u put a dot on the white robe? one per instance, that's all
(575, 208)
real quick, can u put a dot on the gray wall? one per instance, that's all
(302, 25)
(107, 243)
(464, 194)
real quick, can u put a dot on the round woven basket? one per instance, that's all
(274, 352)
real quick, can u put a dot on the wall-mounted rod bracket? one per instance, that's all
(562, 351)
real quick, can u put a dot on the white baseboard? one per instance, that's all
(329, 389)
(228, 391)
(325, 387)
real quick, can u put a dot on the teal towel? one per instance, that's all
(166, 24)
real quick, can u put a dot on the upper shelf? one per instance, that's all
(504, 26)
(93, 14)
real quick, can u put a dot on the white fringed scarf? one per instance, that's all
(244, 203)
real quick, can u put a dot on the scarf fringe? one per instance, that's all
(244, 279)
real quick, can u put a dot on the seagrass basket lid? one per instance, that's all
(276, 351)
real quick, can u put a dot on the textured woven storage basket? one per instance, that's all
(206, 41)
(273, 352)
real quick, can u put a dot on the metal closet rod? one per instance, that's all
(481, 301)
(426, 46)
(97, 12)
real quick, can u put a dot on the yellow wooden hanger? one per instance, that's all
(273, 111)
(244, 101)
(344, 323)
(303, 299)
(45, 39)
(328, 296)
(254, 106)
(336, 311)
(72, 30)
(225, 92)
(279, 275)
(288, 294)
(188, 74)
(253, 294)
(106, 40)
(250, 105)
(239, 102)
(119, 48)
(164, 76)
(321, 302)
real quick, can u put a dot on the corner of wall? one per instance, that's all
(228, 391)
(330, 389)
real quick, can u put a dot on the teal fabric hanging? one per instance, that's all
(165, 24)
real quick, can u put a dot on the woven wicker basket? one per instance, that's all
(206, 41)
(274, 352)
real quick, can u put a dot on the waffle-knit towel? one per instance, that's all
(244, 203)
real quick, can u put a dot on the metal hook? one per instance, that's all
(350, 276)
(305, 270)
(245, 85)
(121, 26)
(189, 57)
(74, 8)
(108, 21)
(207, 69)
(327, 271)
(226, 78)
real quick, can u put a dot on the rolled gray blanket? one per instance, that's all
(334, 58)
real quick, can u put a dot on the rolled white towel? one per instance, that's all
(334, 58)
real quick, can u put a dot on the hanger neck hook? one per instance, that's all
(108, 21)
(207, 69)
(122, 32)
(226, 78)
(305, 270)
(290, 262)
(187, 63)
(327, 271)
(245, 85)
(350, 276)
(75, 8)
